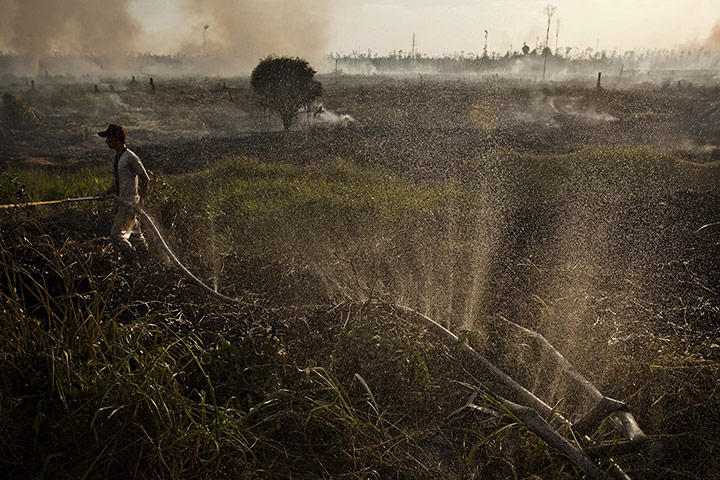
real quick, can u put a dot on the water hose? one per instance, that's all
(154, 228)
(532, 416)
(177, 262)
(51, 202)
(182, 267)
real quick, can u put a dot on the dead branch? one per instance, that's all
(567, 448)
(604, 404)
(530, 413)
(542, 429)
(497, 375)
(602, 409)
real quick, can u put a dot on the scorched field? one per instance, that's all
(484, 204)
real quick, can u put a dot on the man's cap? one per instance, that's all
(114, 130)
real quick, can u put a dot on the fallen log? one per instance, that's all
(542, 429)
(514, 388)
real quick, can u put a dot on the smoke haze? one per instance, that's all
(239, 32)
(713, 41)
(36, 28)
(243, 32)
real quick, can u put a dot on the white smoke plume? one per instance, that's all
(324, 118)
(553, 111)
(104, 29)
(712, 43)
(243, 32)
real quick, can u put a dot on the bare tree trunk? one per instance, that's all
(550, 11)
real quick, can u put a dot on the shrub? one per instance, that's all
(19, 113)
(285, 85)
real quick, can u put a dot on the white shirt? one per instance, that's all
(129, 170)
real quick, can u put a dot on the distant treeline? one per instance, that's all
(565, 60)
(524, 63)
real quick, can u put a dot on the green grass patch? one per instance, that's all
(37, 184)
(594, 174)
(257, 189)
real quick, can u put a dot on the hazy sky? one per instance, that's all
(454, 25)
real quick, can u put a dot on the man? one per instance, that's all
(129, 174)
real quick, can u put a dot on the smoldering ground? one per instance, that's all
(439, 197)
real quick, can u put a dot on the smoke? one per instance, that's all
(104, 29)
(239, 33)
(245, 31)
(324, 118)
(712, 43)
(332, 119)
(554, 111)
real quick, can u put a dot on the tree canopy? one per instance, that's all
(285, 85)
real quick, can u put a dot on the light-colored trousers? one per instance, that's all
(126, 225)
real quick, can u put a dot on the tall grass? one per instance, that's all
(54, 184)
(95, 386)
(91, 388)
(245, 188)
(92, 391)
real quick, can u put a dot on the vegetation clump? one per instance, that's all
(97, 385)
(18, 112)
(285, 85)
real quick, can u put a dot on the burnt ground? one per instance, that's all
(603, 277)
(428, 129)
(415, 126)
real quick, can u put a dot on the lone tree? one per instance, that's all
(285, 85)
